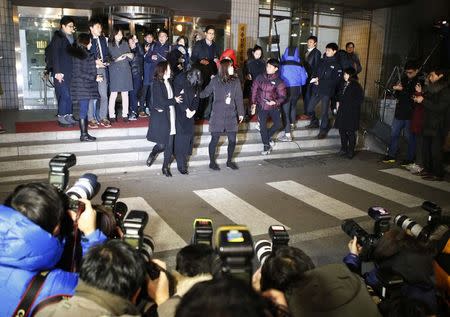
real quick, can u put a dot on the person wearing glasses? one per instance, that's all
(404, 92)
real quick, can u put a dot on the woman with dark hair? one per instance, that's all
(188, 86)
(350, 99)
(84, 85)
(162, 126)
(182, 45)
(435, 99)
(120, 78)
(226, 110)
(31, 242)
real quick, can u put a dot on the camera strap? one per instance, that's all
(30, 295)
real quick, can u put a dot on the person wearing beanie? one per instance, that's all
(268, 94)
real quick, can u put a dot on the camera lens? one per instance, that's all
(263, 249)
(408, 224)
(148, 247)
(85, 187)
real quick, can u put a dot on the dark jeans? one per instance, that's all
(167, 149)
(62, 92)
(213, 144)
(307, 92)
(84, 106)
(290, 107)
(432, 155)
(325, 107)
(134, 94)
(348, 140)
(145, 99)
(266, 134)
(397, 127)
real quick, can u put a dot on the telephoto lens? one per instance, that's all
(85, 187)
(263, 249)
(409, 224)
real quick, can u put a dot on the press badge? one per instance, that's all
(228, 99)
(273, 83)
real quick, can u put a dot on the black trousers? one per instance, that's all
(267, 134)
(432, 154)
(213, 144)
(167, 149)
(348, 140)
(183, 148)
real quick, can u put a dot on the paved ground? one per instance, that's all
(309, 195)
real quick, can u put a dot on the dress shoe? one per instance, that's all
(350, 155)
(183, 171)
(166, 172)
(232, 165)
(214, 166)
(151, 159)
(87, 138)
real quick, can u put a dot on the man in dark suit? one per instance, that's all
(205, 55)
(100, 49)
(312, 58)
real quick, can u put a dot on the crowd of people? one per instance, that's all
(115, 279)
(175, 85)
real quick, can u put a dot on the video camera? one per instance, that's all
(368, 241)
(264, 248)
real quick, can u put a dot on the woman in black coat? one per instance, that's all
(162, 127)
(226, 109)
(187, 85)
(84, 85)
(350, 98)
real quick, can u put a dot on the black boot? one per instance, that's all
(166, 171)
(151, 158)
(85, 137)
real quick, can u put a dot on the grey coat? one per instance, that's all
(224, 117)
(119, 71)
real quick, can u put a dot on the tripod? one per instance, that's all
(395, 74)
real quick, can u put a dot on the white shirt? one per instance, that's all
(173, 130)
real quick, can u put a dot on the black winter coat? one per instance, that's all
(255, 67)
(61, 58)
(182, 87)
(159, 124)
(350, 100)
(224, 117)
(329, 73)
(84, 74)
(437, 105)
(405, 105)
(311, 61)
(137, 63)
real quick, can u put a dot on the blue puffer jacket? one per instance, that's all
(292, 72)
(25, 250)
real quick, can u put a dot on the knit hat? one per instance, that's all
(331, 291)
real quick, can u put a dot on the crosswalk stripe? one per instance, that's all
(379, 190)
(442, 185)
(237, 210)
(164, 236)
(324, 203)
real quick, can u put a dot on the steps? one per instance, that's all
(25, 156)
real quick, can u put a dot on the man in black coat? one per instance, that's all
(205, 55)
(326, 77)
(312, 59)
(61, 62)
(100, 49)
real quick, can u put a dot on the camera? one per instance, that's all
(85, 187)
(368, 241)
(407, 223)
(234, 246)
(264, 248)
(435, 217)
(58, 175)
(203, 231)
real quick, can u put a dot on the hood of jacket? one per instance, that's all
(24, 244)
(291, 54)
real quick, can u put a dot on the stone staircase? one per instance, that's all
(25, 156)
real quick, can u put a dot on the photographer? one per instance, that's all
(193, 265)
(402, 254)
(31, 242)
(111, 276)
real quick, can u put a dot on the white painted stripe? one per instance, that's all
(379, 190)
(324, 203)
(163, 235)
(442, 185)
(238, 210)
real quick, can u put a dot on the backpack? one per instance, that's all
(49, 57)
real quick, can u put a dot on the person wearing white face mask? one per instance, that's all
(162, 109)
(227, 109)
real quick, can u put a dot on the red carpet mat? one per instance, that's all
(49, 126)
